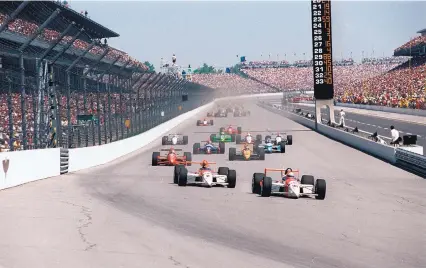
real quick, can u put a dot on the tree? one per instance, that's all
(205, 69)
(150, 66)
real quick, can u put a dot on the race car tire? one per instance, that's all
(223, 171)
(259, 138)
(261, 154)
(238, 139)
(185, 140)
(255, 182)
(198, 122)
(232, 154)
(188, 158)
(211, 122)
(176, 173)
(267, 137)
(307, 179)
(289, 139)
(155, 156)
(196, 148)
(164, 140)
(232, 178)
(233, 137)
(221, 147)
(239, 130)
(266, 187)
(282, 147)
(320, 189)
(182, 177)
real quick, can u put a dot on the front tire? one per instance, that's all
(232, 154)
(196, 148)
(289, 139)
(185, 140)
(155, 156)
(266, 187)
(232, 178)
(255, 182)
(320, 189)
(183, 177)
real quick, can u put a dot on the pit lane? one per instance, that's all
(129, 214)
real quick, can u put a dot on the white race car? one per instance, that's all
(288, 187)
(248, 139)
(205, 176)
(288, 139)
(174, 139)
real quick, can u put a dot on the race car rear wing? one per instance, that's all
(164, 150)
(209, 163)
(283, 171)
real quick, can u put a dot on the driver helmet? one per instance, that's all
(204, 164)
(246, 146)
(248, 134)
(290, 175)
(209, 141)
(172, 150)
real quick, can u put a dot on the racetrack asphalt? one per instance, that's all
(129, 214)
(371, 123)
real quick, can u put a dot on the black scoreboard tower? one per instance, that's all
(322, 49)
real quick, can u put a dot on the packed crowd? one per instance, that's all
(231, 82)
(419, 40)
(27, 28)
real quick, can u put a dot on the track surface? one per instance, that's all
(372, 123)
(128, 214)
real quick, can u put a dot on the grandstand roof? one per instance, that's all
(47, 7)
(422, 31)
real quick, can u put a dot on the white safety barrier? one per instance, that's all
(384, 109)
(411, 161)
(21, 167)
(384, 152)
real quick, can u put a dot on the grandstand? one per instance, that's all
(62, 85)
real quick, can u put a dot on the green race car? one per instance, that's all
(222, 137)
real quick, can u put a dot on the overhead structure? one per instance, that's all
(322, 58)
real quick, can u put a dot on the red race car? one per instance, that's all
(230, 130)
(204, 122)
(172, 158)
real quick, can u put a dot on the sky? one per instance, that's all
(216, 32)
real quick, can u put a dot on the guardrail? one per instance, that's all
(400, 157)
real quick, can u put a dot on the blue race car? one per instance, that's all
(209, 148)
(270, 147)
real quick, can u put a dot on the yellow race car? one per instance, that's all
(246, 152)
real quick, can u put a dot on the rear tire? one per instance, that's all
(239, 130)
(198, 122)
(196, 148)
(259, 138)
(176, 173)
(255, 182)
(238, 139)
(223, 171)
(320, 189)
(233, 137)
(164, 140)
(185, 140)
(183, 177)
(221, 147)
(211, 122)
(289, 139)
(266, 189)
(232, 154)
(282, 147)
(188, 158)
(232, 178)
(261, 154)
(266, 138)
(155, 156)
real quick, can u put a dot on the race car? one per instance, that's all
(270, 147)
(174, 139)
(246, 152)
(204, 122)
(222, 137)
(288, 185)
(248, 139)
(278, 138)
(171, 158)
(210, 114)
(205, 176)
(241, 112)
(209, 148)
(231, 130)
(221, 113)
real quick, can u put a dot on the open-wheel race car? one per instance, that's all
(270, 146)
(209, 148)
(205, 122)
(221, 112)
(289, 184)
(174, 139)
(222, 137)
(278, 138)
(246, 152)
(231, 130)
(238, 112)
(171, 158)
(205, 176)
(248, 139)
